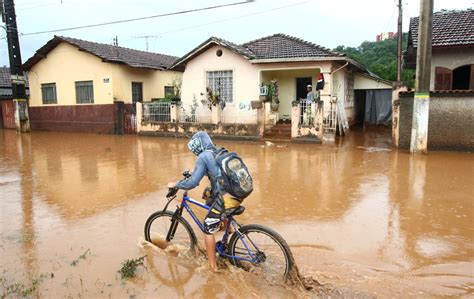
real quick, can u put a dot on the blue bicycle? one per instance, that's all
(253, 247)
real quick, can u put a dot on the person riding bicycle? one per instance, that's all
(201, 145)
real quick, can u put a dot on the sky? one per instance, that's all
(328, 23)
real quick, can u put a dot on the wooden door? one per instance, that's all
(8, 114)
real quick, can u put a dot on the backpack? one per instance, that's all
(237, 180)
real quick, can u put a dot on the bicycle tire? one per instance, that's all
(185, 224)
(277, 238)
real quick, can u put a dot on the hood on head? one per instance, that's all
(200, 142)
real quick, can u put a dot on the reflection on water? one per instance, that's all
(358, 205)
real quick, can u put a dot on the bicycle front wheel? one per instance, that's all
(159, 225)
(261, 250)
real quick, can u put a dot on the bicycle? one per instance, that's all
(240, 244)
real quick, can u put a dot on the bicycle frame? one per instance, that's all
(220, 247)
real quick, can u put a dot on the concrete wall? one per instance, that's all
(451, 59)
(364, 82)
(64, 65)
(153, 82)
(245, 78)
(451, 121)
(287, 85)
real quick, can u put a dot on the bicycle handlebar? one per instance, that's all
(172, 191)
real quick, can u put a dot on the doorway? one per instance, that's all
(301, 84)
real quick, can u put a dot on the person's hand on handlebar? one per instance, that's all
(171, 185)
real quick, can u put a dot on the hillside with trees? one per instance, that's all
(380, 58)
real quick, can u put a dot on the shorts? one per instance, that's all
(217, 213)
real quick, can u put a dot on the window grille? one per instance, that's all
(221, 82)
(84, 92)
(169, 90)
(48, 92)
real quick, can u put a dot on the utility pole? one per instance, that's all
(115, 40)
(16, 68)
(419, 130)
(400, 41)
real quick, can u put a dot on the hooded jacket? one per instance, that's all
(205, 165)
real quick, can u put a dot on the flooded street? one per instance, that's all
(359, 217)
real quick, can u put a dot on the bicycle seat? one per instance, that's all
(235, 211)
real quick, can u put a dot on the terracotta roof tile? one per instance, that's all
(449, 29)
(108, 53)
(286, 46)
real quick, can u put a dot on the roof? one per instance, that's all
(5, 78)
(449, 29)
(280, 46)
(277, 46)
(108, 53)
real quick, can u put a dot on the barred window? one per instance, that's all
(169, 90)
(222, 83)
(48, 92)
(84, 92)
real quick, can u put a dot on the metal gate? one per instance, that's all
(8, 114)
(130, 119)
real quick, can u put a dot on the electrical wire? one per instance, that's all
(219, 21)
(141, 18)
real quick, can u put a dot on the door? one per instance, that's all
(8, 114)
(301, 84)
(137, 92)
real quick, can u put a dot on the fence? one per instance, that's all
(199, 114)
(157, 112)
(307, 113)
(233, 115)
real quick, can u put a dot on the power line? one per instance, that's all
(141, 18)
(219, 21)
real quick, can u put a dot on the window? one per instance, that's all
(84, 92)
(222, 83)
(169, 90)
(48, 92)
(137, 92)
(443, 78)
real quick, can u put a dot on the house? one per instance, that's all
(238, 74)
(452, 61)
(7, 117)
(451, 105)
(78, 85)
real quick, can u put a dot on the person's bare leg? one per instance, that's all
(210, 243)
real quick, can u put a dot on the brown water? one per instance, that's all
(360, 217)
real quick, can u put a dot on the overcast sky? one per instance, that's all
(328, 23)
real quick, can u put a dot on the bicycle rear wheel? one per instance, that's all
(158, 226)
(271, 257)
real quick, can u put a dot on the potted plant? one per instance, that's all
(273, 95)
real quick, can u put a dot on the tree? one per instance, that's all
(380, 58)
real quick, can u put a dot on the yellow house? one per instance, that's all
(78, 85)
(241, 74)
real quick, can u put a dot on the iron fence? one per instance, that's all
(157, 112)
(307, 113)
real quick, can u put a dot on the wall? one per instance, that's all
(153, 81)
(287, 85)
(64, 65)
(451, 121)
(245, 77)
(363, 82)
(451, 59)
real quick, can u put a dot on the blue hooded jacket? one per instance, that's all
(201, 145)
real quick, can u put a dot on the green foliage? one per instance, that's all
(81, 257)
(380, 58)
(21, 289)
(129, 267)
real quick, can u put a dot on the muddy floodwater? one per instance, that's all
(361, 218)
